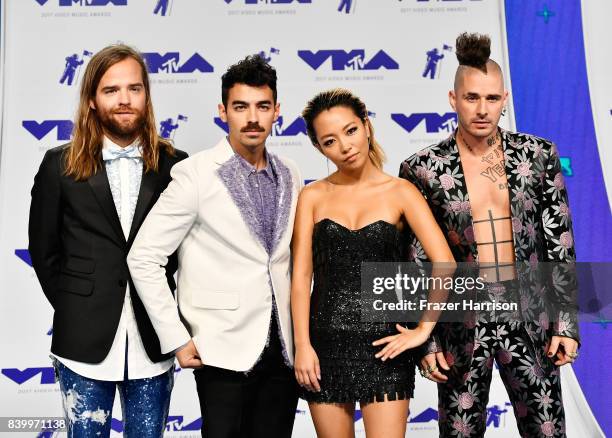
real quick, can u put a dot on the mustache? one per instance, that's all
(252, 126)
(124, 109)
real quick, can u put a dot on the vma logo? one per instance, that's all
(495, 416)
(24, 255)
(298, 126)
(47, 375)
(352, 60)
(170, 62)
(86, 2)
(269, 2)
(167, 127)
(40, 130)
(434, 122)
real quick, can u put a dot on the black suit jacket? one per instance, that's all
(79, 252)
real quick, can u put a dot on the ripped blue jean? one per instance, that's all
(88, 404)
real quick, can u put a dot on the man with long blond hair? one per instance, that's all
(89, 199)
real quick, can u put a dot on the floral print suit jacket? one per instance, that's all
(541, 226)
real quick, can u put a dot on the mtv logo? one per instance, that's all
(298, 126)
(434, 122)
(40, 130)
(170, 63)
(176, 423)
(47, 375)
(352, 60)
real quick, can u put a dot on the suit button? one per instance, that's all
(122, 283)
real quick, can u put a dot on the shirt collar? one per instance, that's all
(107, 143)
(249, 168)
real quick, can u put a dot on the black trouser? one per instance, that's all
(261, 403)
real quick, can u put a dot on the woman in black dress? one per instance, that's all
(357, 214)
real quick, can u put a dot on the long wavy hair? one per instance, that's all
(83, 157)
(342, 97)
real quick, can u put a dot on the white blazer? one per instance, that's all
(225, 276)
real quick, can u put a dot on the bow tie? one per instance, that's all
(114, 152)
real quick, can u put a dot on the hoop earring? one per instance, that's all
(503, 113)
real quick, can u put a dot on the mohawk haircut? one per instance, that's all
(473, 50)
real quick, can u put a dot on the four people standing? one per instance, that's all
(247, 252)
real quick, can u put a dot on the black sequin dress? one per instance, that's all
(342, 341)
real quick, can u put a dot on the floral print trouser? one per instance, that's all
(535, 395)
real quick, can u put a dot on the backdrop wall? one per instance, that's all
(397, 55)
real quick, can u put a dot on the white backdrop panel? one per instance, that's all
(387, 42)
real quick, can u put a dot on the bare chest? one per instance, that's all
(487, 184)
(487, 188)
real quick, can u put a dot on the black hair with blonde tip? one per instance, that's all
(329, 99)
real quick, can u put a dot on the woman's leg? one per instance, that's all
(333, 420)
(385, 419)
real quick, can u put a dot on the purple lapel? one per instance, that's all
(236, 184)
(284, 198)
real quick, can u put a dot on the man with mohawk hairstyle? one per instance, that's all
(500, 198)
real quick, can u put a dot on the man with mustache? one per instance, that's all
(501, 199)
(229, 211)
(89, 199)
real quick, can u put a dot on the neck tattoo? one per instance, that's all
(490, 141)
